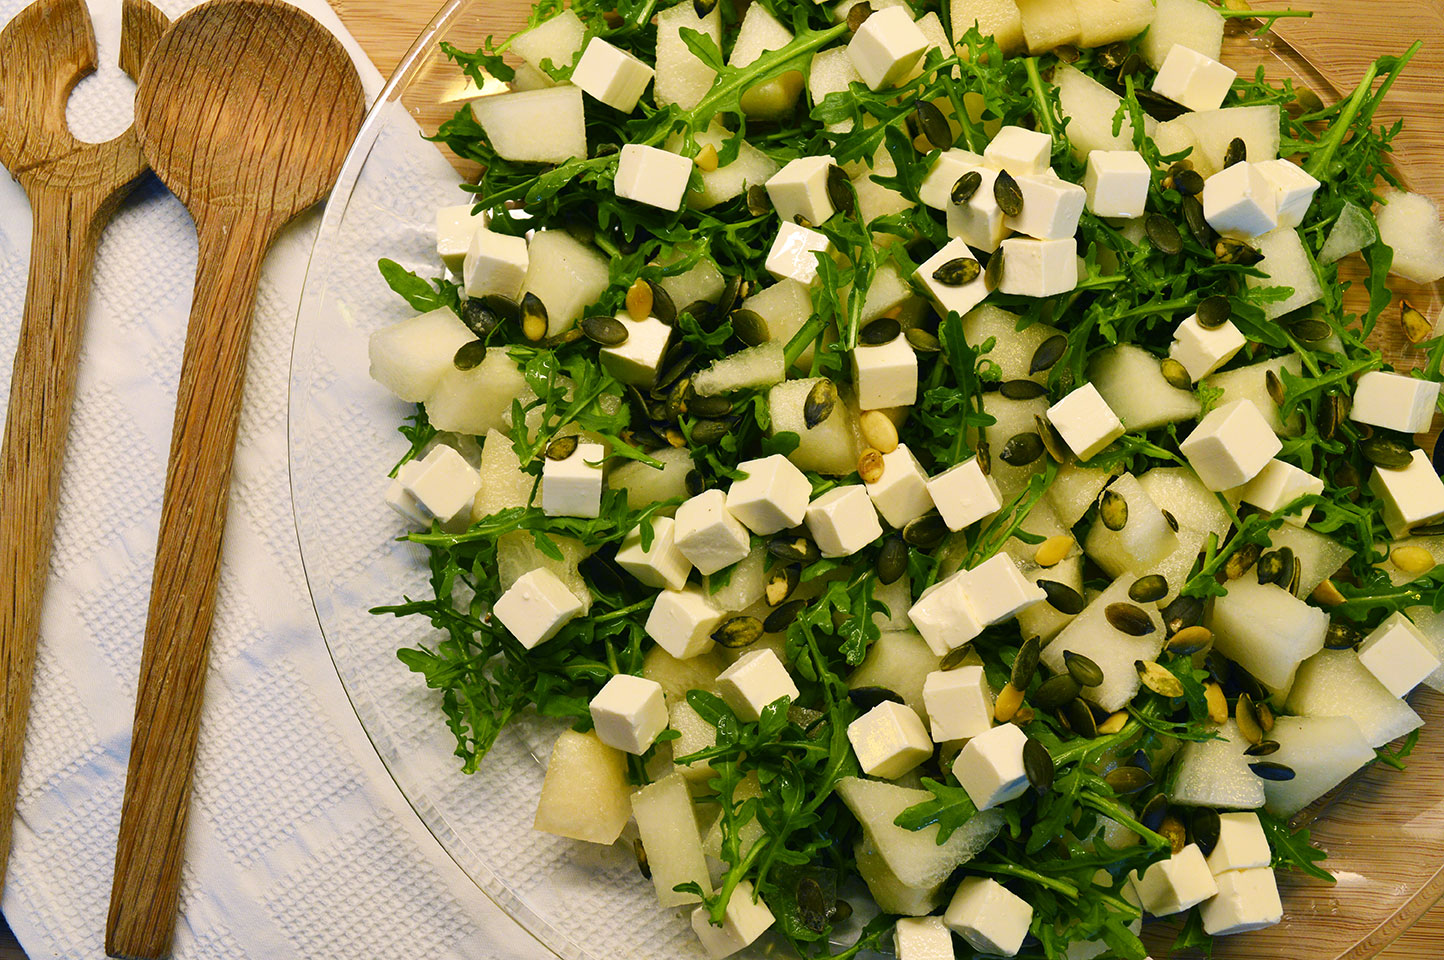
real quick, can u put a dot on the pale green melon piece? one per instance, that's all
(748, 833)
(528, 77)
(999, 19)
(1334, 683)
(518, 554)
(534, 126)
(1090, 108)
(746, 584)
(409, 357)
(558, 39)
(887, 290)
(1251, 383)
(760, 32)
(1041, 521)
(645, 484)
(749, 368)
(1132, 384)
(678, 676)
(1193, 23)
(476, 400)
(1115, 652)
(889, 893)
(1320, 556)
(585, 795)
(831, 71)
(1107, 21)
(1409, 225)
(1048, 24)
(1258, 127)
(1285, 264)
(694, 734)
(875, 200)
(566, 275)
(1321, 751)
(897, 597)
(900, 662)
(752, 167)
(914, 856)
(841, 10)
(1431, 626)
(668, 830)
(830, 447)
(784, 307)
(682, 78)
(1179, 491)
(1143, 540)
(503, 482)
(701, 281)
(1012, 349)
(1353, 231)
(1043, 620)
(1266, 630)
(1174, 136)
(1075, 489)
(1178, 564)
(1215, 773)
(1012, 417)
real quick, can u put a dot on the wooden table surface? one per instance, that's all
(1340, 40)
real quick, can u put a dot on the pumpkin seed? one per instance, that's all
(571, 335)
(701, 310)
(1417, 328)
(1229, 250)
(607, 331)
(857, 15)
(985, 458)
(1114, 723)
(1276, 566)
(956, 657)
(533, 317)
(1197, 223)
(678, 359)
(840, 191)
(504, 307)
(1052, 440)
(1067, 53)
(469, 355)
(478, 317)
(1326, 594)
(1242, 561)
(639, 851)
(957, 271)
(737, 632)
(711, 407)
(1188, 182)
(1005, 707)
(880, 331)
(922, 341)
(878, 431)
(706, 159)
(677, 398)
(870, 466)
(759, 204)
(1412, 559)
(926, 532)
(1341, 636)
(749, 327)
(707, 432)
(1054, 692)
(780, 585)
(693, 482)
(1128, 779)
(1246, 716)
(865, 698)
(1237, 152)
(812, 906)
(1048, 353)
(1170, 519)
(892, 560)
(993, 272)
(1311, 331)
(639, 300)
(1022, 389)
(561, 448)
(1153, 812)
(1129, 619)
(1214, 312)
(1080, 718)
(1025, 664)
(1082, 669)
(1007, 194)
(1175, 373)
(933, 124)
(1062, 597)
(1189, 640)
(1054, 550)
(1307, 101)
(1271, 770)
(1149, 589)
(1038, 765)
(674, 438)
(1111, 57)
(1215, 700)
(1113, 510)
(820, 403)
(1274, 387)
(703, 7)
(782, 617)
(965, 186)
(1157, 678)
(1171, 829)
(1330, 415)
(793, 549)
(1022, 449)
(1265, 717)
(1182, 612)
(1163, 234)
(841, 911)
(1264, 748)
(1389, 452)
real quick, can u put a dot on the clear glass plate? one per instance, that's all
(1384, 832)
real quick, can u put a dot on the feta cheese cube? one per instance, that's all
(886, 47)
(628, 713)
(1293, 189)
(794, 253)
(948, 298)
(1039, 268)
(1085, 421)
(1201, 350)
(1241, 844)
(990, 766)
(1246, 900)
(1020, 151)
(979, 222)
(1395, 401)
(885, 374)
(445, 485)
(536, 607)
(754, 681)
(937, 187)
(1239, 202)
(612, 75)
(708, 535)
(573, 487)
(635, 360)
(682, 621)
(922, 938)
(889, 740)
(1398, 655)
(651, 176)
(799, 189)
(662, 565)
(1051, 207)
(959, 703)
(964, 494)
(1192, 79)
(1231, 445)
(997, 589)
(842, 521)
(988, 916)
(1176, 884)
(398, 498)
(944, 615)
(1116, 183)
(1277, 485)
(772, 497)
(901, 493)
(743, 922)
(1412, 495)
(495, 263)
(454, 227)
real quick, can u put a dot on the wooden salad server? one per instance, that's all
(73, 189)
(245, 110)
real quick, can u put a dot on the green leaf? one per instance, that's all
(422, 296)
(1292, 849)
(950, 808)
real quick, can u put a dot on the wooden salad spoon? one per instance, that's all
(245, 110)
(73, 189)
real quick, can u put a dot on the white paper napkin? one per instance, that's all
(300, 844)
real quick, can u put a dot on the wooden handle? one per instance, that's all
(187, 566)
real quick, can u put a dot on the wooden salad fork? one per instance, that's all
(73, 189)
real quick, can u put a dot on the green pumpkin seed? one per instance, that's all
(749, 327)
(1149, 589)
(710, 407)
(1242, 561)
(1204, 826)
(1188, 182)
(1333, 410)
(1214, 312)
(1062, 597)
(1067, 53)
(965, 186)
(1341, 636)
(1264, 748)
(956, 657)
(1128, 779)
(561, 448)
(892, 560)
(506, 308)
(957, 272)
(1229, 250)
(857, 15)
(1082, 669)
(639, 851)
(866, 698)
(880, 331)
(1022, 389)
(702, 311)
(1129, 619)
(1080, 717)
(677, 398)
(1113, 510)
(703, 7)
(821, 401)
(1048, 353)
(1417, 327)
(841, 912)
(707, 432)
(1277, 566)
(1153, 812)
(1025, 664)
(1038, 765)
(1175, 373)
(925, 532)
(1112, 56)
(571, 335)
(677, 361)
(780, 585)
(733, 290)
(1246, 716)
(933, 124)
(694, 483)
(1170, 519)
(1051, 438)
(793, 549)
(1054, 692)
(1311, 331)
(1022, 449)
(1387, 451)
(985, 458)
(1181, 613)
(533, 317)
(662, 306)
(993, 272)
(840, 191)
(759, 204)
(1157, 678)
(737, 632)
(1007, 194)
(478, 317)
(1307, 101)
(607, 331)
(922, 341)
(469, 355)
(1237, 152)
(1197, 223)
(1163, 234)
(1172, 830)
(1271, 770)
(1189, 640)
(812, 906)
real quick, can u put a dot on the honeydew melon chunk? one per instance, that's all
(830, 447)
(914, 856)
(875, 200)
(1266, 630)
(1041, 521)
(1334, 683)
(1431, 626)
(694, 734)
(477, 400)
(1319, 556)
(1107, 21)
(1048, 24)
(1251, 383)
(1012, 349)
(676, 677)
(784, 307)
(1075, 489)
(518, 554)
(1258, 127)
(1215, 773)
(1321, 751)
(701, 281)
(668, 830)
(1178, 564)
(759, 33)
(1043, 620)
(752, 166)
(1409, 224)
(682, 78)
(1174, 137)
(897, 597)
(1354, 230)
(409, 357)
(1011, 417)
(748, 833)
(1192, 23)
(558, 39)
(528, 77)
(503, 482)
(645, 484)
(745, 586)
(534, 126)
(841, 10)
(999, 19)
(1131, 382)
(898, 661)
(887, 290)
(1090, 108)
(831, 71)
(1285, 264)
(1179, 491)
(1142, 541)
(566, 275)
(1115, 652)
(585, 795)
(749, 368)
(889, 893)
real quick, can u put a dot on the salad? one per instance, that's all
(925, 449)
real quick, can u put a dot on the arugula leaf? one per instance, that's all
(1292, 849)
(421, 295)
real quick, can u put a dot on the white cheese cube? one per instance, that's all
(944, 615)
(794, 253)
(889, 740)
(959, 703)
(990, 766)
(573, 487)
(901, 493)
(445, 484)
(755, 680)
(708, 535)
(1196, 81)
(886, 47)
(1039, 268)
(1395, 401)
(948, 298)
(612, 75)
(398, 498)
(1398, 655)
(772, 497)
(1412, 495)
(937, 187)
(1246, 900)
(1116, 183)
(1230, 445)
(1239, 202)
(1293, 189)
(885, 374)
(454, 227)
(922, 938)
(1051, 208)
(635, 360)
(1277, 485)
(843, 520)
(536, 607)
(799, 189)
(980, 221)
(1176, 884)
(495, 263)
(661, 565)
(743, 922)
(682, 621)
(1020, 151)
(651, 176)
(628, 713)
(997, 589)
(988, 916)
(964, 494)
(1085, 421)
(1241, 844)
(1201, 350)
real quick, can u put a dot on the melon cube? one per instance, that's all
(668, 830)
(1266, 630)
(476, 400)
(889, 893)
(701, 281)
(534, 126)
(682, 78)
(1321, 751)
(1409, 224)
(999, 19)
(784, 307)
(1107, 21)
(1011, 417)
(1179, 491)
(746, 584)
(1043, 620)
(831, 71)
(1354, 230)
(1215, 773)
(566, 275)
(1177, 565)
(760, 32)
(752, 167)
(1090, 108)
(645, 484)
(557, 40)
(1285, 264)
(1048, 24)
(1176, 137)
(897, 597)
(503, 482)
(828, 448)
(679, 676)
(1192, 23)
(1431, 627)
(1251, 383)
(1012, 349)
(747, 832)
(887, 290)
(410, 356)
(1115, 652)
(1319, 556)
(1144, 539)
(747, 369)
(1258, 127)
(914, 856)
(694, 735)
(1335, 683)
(1131, 382)
(1075, 489)
(898, 661)
(585, 795)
